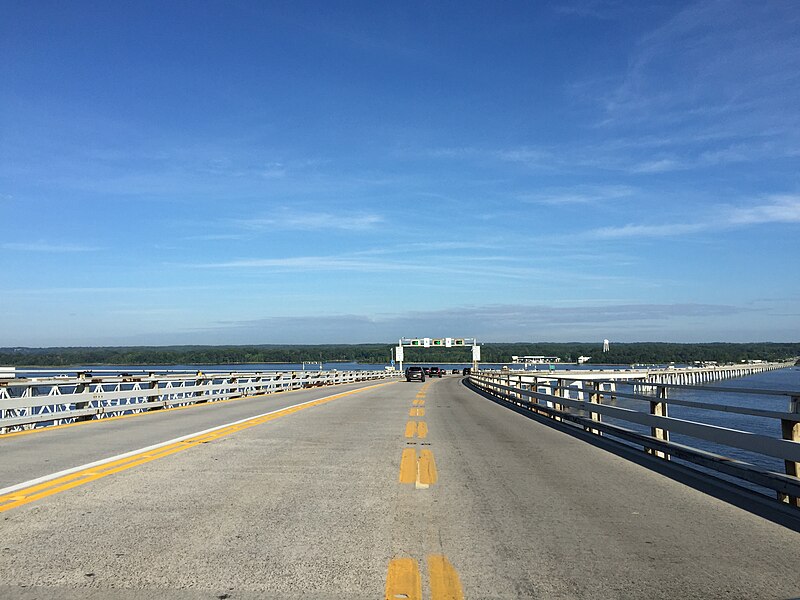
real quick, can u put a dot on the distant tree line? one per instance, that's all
(645, 352)
(640, 352)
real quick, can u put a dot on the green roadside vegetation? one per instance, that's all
(631, 353)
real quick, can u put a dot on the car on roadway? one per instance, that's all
(466, 371)
(426, 370)
(454, 371)
(435, 372)
(415, 374)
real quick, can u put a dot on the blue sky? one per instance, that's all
(300, 172)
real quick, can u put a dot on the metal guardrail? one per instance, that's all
(41, 402)
(586, 403)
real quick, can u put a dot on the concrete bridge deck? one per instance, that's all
(312, 504)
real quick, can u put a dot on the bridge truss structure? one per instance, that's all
(29, 403)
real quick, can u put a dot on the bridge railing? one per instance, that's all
(644, 421)
(43, 402)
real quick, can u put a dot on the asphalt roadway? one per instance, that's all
(336, 499)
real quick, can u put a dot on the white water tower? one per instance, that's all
(605, 345)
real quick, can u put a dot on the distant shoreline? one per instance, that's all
(618, 354)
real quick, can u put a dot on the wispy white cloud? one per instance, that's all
(299, 263)
(429, 247)
(48, 247)
(444, 267)
(779, 209)
(712, 59)
(124, 290)
(595, 9)
(274, 170)
(582, 194)
(714, 84)
(528, 156)
(773, 209)
(494, 322)
(645, 231)
(211, 237)
(312, 220)
(660, 165)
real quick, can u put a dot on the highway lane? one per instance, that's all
(313, 504)
(31, 454)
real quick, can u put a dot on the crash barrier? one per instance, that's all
(636, 412)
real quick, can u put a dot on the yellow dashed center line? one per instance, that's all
(443, 579)
(408, 466)
(403, 580)
(427, 468)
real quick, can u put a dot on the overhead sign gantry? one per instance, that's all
(438, 343)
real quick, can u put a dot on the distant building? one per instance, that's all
(584, 359)
(535, 360)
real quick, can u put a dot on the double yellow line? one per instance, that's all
(404, 580)
(420, 470)
(31, 491)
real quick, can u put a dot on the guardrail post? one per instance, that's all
(233, 392)
(558, 393)
(515, 385)
(534, 387)
(790, 430)
(594, 398)
(80, 389)
(659, 409)
(153, 386)
(522, 397)
(198, 382)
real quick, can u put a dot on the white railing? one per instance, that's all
(594, 405)
(47, 401)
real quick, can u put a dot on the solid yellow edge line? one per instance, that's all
(49, 488)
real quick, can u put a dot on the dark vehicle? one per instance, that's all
(466, 371)
(455, 371)
(427, 370)
(435, 372)
(415, 374)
